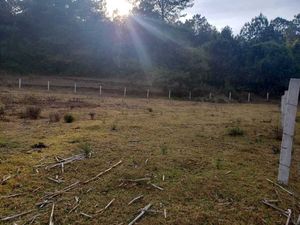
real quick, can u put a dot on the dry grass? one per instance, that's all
(186, 142)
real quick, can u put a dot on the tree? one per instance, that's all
(168, 10)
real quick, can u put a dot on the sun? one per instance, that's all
(119, 7)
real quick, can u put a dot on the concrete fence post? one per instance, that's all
(268, 96)
(20, 83)
(148, 93)
(100, 91)
(48, 86)
(290, 109)
(75, 88)
(125, 92)
(230, 96)
(170, 93)
(210, 96)
(190, 95)
(249, 97)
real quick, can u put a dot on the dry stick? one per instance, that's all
(274, 207)
(138, 180)
(289, 217)
(159, 188)
(102, 173)
(11, 196)
(15, 216)
(298, 220)
(106, 207)
(32, 219)
(165, 213)
(51, 215)
(86, 215)
(5, 178)
(291, 193)
(135, 199)
(144, 210)
(74, 208)
(55, 180)
(66, 161)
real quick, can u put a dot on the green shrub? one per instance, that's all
(163, 149)
(87, 150)
(32, 112)
(236, 131)
(69, 118)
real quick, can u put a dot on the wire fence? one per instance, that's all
(110, 89)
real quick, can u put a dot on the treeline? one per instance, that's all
(77, 38)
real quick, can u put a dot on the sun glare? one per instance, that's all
(118, 7)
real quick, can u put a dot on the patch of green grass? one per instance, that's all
(87, 149)
(4, 143)
(163, 149)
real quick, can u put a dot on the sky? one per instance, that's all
(236, 13)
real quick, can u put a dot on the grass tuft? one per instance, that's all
(236, 131)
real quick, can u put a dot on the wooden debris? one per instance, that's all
(103, 172)
(298, 220)
(86, 215)
(137, 180)
(66, 161)
(159, 188)
(165, 213)
(5, 178)
(106, 207)
(144, 210)
(291, 193)
(289, 214)
(50, 196)
(15, 216)
(31, 221)
(135, 199)
(11, 196)
(51, 215)
(163, 177)
(74, 208)
(228, 172)
(274, 207)
(58, 181)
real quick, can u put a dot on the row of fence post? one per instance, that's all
(148, 92)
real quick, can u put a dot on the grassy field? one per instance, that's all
(204, 163)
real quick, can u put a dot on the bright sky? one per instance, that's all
(236, 13)
(122, 6)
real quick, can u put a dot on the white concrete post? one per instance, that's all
(249, 97)
(170, 93)
(268, 96)
(125, 92)
(230, 97)
(283, 107)
(75, 88)
(190, 95)
(148, 93)
(288, 131)
(20, 83)
(48, 85)
(210, 96)
(100, 91)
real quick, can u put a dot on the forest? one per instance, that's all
(154, 44)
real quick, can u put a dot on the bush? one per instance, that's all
(32, 112)
(69, 118)
(92, 115)
(54, 117)
(236, 131)
(87, 150)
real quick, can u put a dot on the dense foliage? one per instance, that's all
(76, 37)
